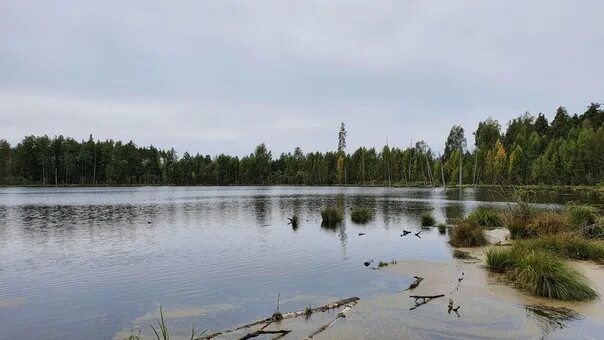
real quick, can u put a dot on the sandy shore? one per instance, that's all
(490, 308)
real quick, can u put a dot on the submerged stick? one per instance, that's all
(281, 333)
(413, 284)
(425, 299)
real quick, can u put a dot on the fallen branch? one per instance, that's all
(425, 299)
(340, 315)
(344, 302)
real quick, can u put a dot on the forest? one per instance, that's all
(569, 150)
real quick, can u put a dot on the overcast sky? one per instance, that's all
(224, 76)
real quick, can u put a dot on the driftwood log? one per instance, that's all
(349, 302)
(340, 315)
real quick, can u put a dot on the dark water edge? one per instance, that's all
(91, 262)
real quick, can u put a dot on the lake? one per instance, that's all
(82, 263)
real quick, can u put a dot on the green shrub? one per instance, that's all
(467, 234)
(331, 216)
(361, 215)
(427, 219)
(486, 217)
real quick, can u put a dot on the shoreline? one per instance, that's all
(581, 188)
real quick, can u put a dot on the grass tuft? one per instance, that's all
(567, 246)
(331, 216)
(581, 215)
(427, 219)
(539, 273)
(467, 234)
(308, 311)
(361, 215)
(486, 217)
(585, 218)
(548, 223)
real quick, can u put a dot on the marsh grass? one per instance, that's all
(467, 234)
(361, 215)
(585, 219)
(581, 215)
(540, 273)
(548, 223)
(487, 217)
(567, 246)
(427, 219)
(331, 216)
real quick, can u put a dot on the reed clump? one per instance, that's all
(540, 273)
(487, 217)
(467, 233)
(331, 216)
(361, 215)
(427, 219)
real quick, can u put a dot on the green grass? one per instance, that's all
(487, 217)
(567, 246)
(161, 332)
(308, 311)
(467, 234)
(585, 218)
(361, 215)
(540, 273)
(331, 216)
(580, 215)
(427, 219)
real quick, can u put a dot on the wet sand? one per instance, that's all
(490, 308)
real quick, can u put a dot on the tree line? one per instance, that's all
(569, 150)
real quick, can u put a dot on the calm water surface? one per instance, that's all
(81, 263)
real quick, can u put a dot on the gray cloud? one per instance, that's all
(223, 76)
